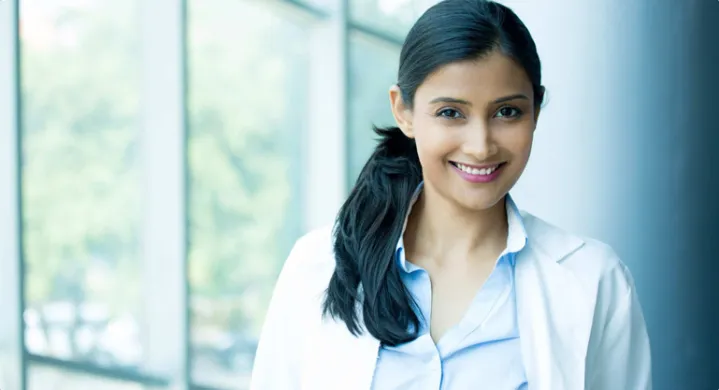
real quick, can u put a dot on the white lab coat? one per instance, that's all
(580, 323)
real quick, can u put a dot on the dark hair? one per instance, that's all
(370, 222)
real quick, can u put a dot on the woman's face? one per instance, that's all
(473, 123)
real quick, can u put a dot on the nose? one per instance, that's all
(479, 142)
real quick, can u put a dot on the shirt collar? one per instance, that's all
(516, 237)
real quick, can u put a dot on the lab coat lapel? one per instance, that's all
(554, 314)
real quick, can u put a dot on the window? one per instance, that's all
(372, 70)
(81, 182)
(248, 83)
(393, 17)
(377, 30)
(94, 238)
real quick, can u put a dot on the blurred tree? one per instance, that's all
(247, 106)
(80, 173)
(82, 170)
(247, 115)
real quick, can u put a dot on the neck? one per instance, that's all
(442, 231)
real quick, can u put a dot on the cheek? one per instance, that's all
(434, 144)
(431, 155)
(519, 144)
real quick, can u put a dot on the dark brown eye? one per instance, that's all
(449, 113)
(509, 112)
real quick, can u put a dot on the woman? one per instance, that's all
(431, 278)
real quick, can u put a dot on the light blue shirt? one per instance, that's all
(482, 351)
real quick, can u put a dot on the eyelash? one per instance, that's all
(440, 113)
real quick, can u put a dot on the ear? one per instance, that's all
(401, 111)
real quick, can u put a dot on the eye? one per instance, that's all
(449, 113)
(509, 112)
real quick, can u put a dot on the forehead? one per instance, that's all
(487, 78)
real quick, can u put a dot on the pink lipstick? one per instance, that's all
(477, 173)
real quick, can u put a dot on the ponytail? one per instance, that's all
(366, 232)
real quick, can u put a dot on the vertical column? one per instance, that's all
(12, 362)
(325, 176)
(164, 146)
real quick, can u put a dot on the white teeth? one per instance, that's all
(475, 171)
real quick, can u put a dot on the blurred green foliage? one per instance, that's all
(82, 157)
(248, 84)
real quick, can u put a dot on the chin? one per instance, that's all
(468, 196)
(478, 203)
(481, 197)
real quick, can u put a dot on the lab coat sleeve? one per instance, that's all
(277, 358)
(622, 358)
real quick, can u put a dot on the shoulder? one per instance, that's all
(310, 265)
(294, 310)
(600, 285)
(591, 271)
(591, 260)
(300, 288)
(313, 249)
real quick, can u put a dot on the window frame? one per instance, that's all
(13, 367)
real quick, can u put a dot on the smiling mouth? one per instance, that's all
(484, 170)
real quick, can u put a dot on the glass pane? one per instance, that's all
(394, 17)
(81, 187)
(372, 70)
(248, 72)
(49, 378)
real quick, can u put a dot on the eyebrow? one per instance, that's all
(444, 99)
